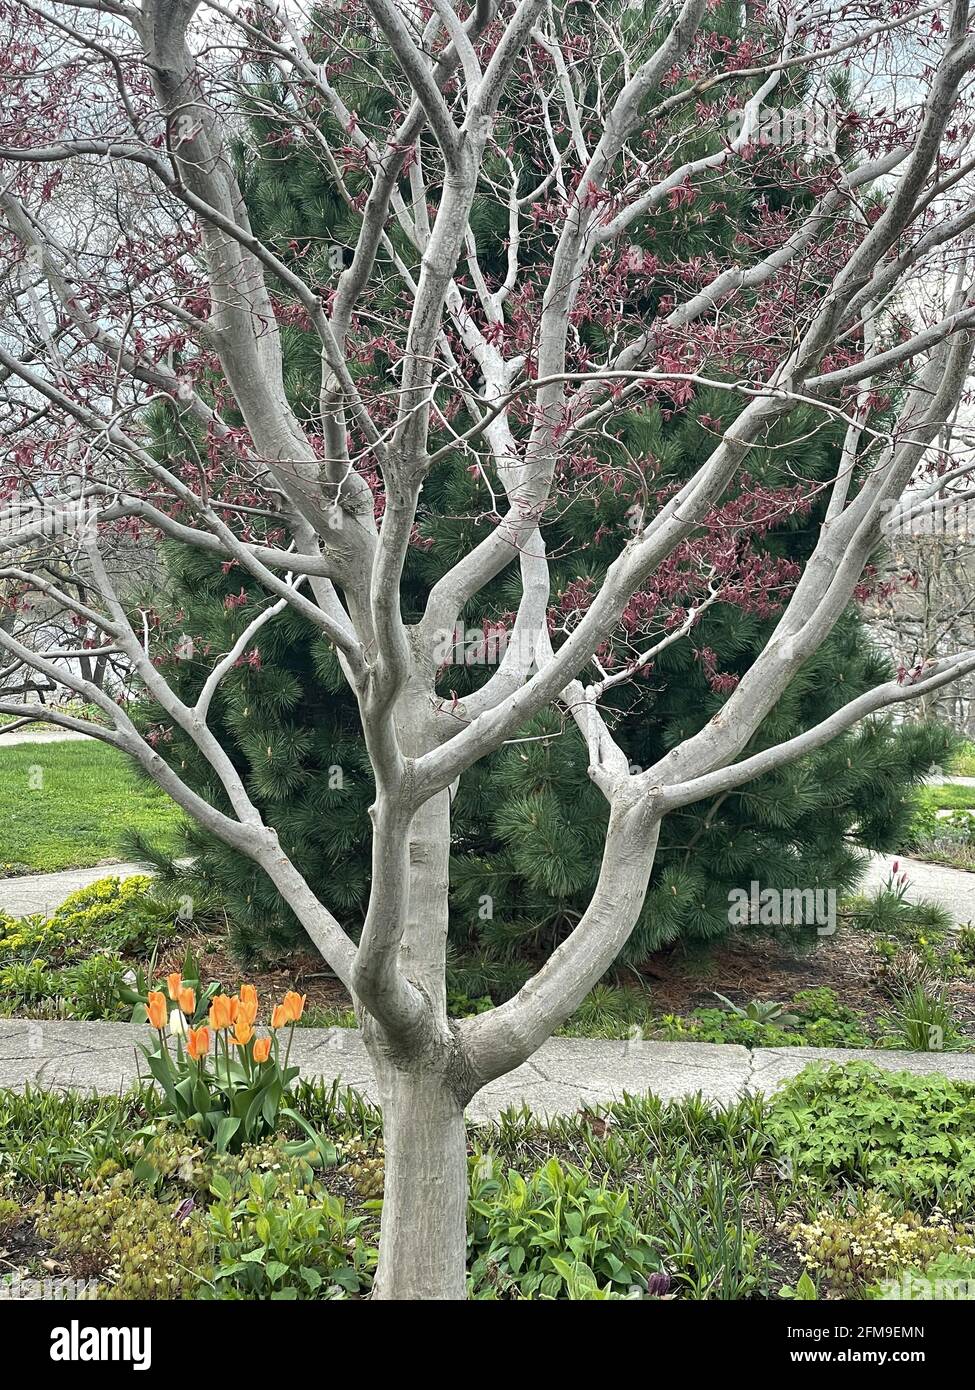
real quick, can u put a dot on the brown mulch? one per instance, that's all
(23, 1252)
(302, 972)
(753, 966)
(749, 966)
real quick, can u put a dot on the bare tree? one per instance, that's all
(620, 109)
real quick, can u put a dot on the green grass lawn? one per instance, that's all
(948, 797)
(68, 805)
(963, 763)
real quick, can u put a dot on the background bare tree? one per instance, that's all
(625, 108)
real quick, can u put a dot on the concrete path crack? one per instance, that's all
(564, 1075)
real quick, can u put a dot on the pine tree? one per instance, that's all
(528, 825)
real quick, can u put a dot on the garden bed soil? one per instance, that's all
(769, 968)
(750, 966)
(303, 972)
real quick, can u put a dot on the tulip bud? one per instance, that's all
(156, 1008)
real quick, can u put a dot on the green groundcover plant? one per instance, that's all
(643, 1199)
(909, 1135)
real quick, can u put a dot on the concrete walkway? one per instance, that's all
(17, 737)
(26, 894)
(952, 888)
(565, 1074)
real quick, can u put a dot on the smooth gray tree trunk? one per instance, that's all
(423, 1236)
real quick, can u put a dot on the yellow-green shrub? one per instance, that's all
(853, 1249)
(111, 914)
(115, 1230)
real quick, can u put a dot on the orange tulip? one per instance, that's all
(248, 1003)
(221, 1013)
(242, 1033)
(262, 1049)
(174, 983)
(157, 1009)
(198, 1042)
(280, 1017)
(295, 1005)
(187, 999)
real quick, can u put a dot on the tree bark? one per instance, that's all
(423, 1235)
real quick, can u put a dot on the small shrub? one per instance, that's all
(922, 1020)
(279, 1243)
(723, 1026)
(27, 982)
(825, 1022)
(91, 989)
(854, 1249)
(913, 1136)
(608, 1012)
(904, 969)
(111, 915)
(526, 1235)
(141, 1247)
(815, 1019)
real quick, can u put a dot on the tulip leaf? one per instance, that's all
(226, 1130)
(271, 1104)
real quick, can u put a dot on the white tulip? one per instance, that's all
(177, 1024)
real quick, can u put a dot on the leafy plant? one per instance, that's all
(803, 1290)
(278, 1243)
(818, 1020)
(10, 1214)
(697, 1213)
(528, 1235)
(854, 1248)
(91, 989)
(923, 1020)
(913, 1136)
(26, 982)
(141, 1247)
(50, 1138)
(239, 1099)
(722, 1026)
(759, 1010)
(890, 911)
